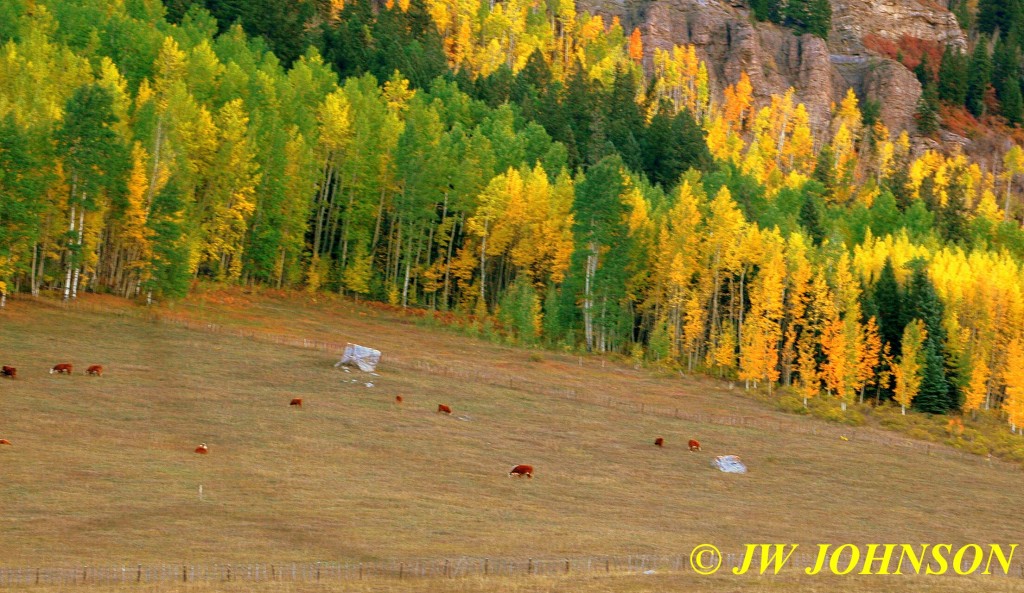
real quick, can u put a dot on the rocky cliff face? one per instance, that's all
(730, 41)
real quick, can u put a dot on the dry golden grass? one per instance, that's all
(102, 469)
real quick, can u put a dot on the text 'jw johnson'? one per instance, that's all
(863, 559)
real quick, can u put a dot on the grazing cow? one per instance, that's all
(202, 449)
(443, 409)
(64, 367)
(660, 442)
(7, 371)
(296, 401)
(398, 399)
(521, 470)
(96, 369)
(5, 442)
(694, 445)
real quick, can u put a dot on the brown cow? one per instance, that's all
(660, 442)
(296, 401)
(64, 367)
(7, 371)
(202, 449)
(398, 399)
(5, 442)
(521, 470)
(96, 369)
(443, 409)
(694, 445)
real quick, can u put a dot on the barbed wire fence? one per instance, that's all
(461, 567)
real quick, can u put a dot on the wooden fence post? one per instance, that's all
(317, 571)
(401, 570)
(529, 566)
(486, 562)
(566, 566)
(184, 573)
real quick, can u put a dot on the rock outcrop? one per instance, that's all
(852, 20)
(730, 41)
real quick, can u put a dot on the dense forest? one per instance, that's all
(523, 165)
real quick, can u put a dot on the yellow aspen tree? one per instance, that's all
(636, 46)
(810, 380)
(724, 353)
(908, 371)
(847, 124)
(675, 262)
(834, 370)
(1013, 378)
(759, 353)
(976, 392)
(485, 223)
(738, 104)
(720, 252)
(1013, 165)
(232, 198)
(885, 151)
(798, 277)
(869, 358)
(136, 236)
(799, 151)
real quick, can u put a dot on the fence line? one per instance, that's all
(461, 567)
(518, 383)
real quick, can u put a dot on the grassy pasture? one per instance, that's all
(102, 468)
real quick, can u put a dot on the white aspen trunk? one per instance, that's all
(408, 268)
(34, 288)
(483, 262)
(380, 214)
(67, 273)
(157, 142)
(448, 261)
(588, 297)
(903, 409)
(1006, 201)
(280, 270)
(3, 299)
(78, 267)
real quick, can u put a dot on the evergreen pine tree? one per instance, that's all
(888, 304)
(1002, 15)
(928, 110)
(978, 77)
(953, 76)
(923, 70)
(936, 395)
(1006, 76)
(624, 120)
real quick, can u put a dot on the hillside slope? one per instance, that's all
(102, 468)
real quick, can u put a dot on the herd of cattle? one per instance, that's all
(527, 470)
(63, 368)
(66, 368)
